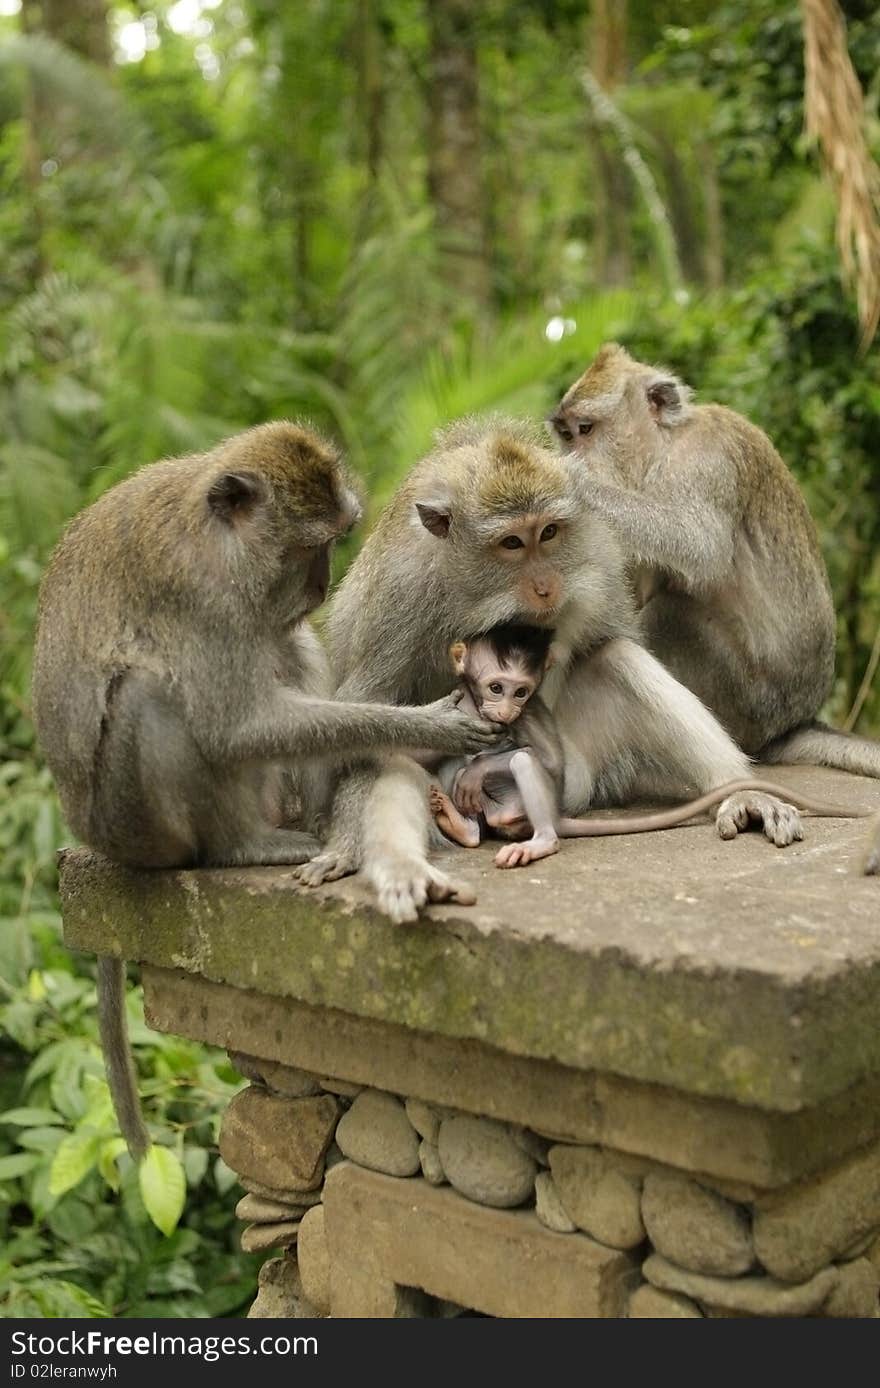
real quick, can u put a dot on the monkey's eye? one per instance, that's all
(512, 542)
(548, 532)
(496, 688)
(563, 431)
(585, 427)
(520, 694)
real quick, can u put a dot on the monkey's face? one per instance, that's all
(615, 416)
(525, 554)
(279, 514)
(509, 523)
(499, 690)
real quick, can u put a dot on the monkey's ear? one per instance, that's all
(668, 399)
(433, 519)
(235, 494)
(457, 652)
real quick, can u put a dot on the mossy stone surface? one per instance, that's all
(728, 969)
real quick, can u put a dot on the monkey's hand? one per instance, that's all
(781, 822)
(467, 788)
(458, 733)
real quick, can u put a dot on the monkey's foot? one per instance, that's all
(529, 851)
(403, 886)
(457, 827)
(328, 866)
(781, 822)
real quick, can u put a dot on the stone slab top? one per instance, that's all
(734, 969)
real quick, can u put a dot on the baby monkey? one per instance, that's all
(518, 790)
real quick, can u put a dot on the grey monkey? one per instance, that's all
(181, 698)
(491, 528)
(725, 559)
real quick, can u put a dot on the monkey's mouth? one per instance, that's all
(540, 617)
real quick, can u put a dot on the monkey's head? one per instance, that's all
(278, 498)
(506, 524)
(619, 411)
(502, 668)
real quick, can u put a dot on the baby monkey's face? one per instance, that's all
(500, 690)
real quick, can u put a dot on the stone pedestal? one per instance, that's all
(640, 1078)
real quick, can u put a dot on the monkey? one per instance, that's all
(501, 672)
(492, 528)
(180, 697)
(725, 559)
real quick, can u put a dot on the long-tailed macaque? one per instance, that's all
(491, 528)
(516, 791)
(181, 698)
(725, 560)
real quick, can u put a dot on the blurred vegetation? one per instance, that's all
(376, 214)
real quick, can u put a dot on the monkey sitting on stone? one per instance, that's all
(724, 557)
(517, 790)
(181, 699)
(519, 786)
(491, 528)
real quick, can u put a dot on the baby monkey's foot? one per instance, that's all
(456, 826)
(529, 851)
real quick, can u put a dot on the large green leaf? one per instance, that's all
(162, 1184)
(74, 1159)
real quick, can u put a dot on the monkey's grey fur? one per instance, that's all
(726, 564)
(180, 697)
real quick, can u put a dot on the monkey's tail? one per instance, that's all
(681, 814)
(816, 744)
(121, 1076)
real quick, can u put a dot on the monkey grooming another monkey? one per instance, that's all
(181, 698)
(489, 529)
(518, 790)
(726, 565)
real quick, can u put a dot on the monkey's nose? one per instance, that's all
(542, 590)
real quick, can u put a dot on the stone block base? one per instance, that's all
(386, 1235)
(384, 1203)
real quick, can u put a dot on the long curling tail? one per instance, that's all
(681, 814)
(818, 745)
(118, 1061)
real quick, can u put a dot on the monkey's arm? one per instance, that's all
(536, 729)
(467, 787)
(687, 531)
(290, 726)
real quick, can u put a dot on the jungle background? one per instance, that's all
(375, 214)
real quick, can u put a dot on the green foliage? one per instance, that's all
(241, 226)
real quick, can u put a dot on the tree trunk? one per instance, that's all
(611, 246)
(455, 174)
(681, 212)
(371, 87)
(80, 25)
(713, 251)
(31, 154)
